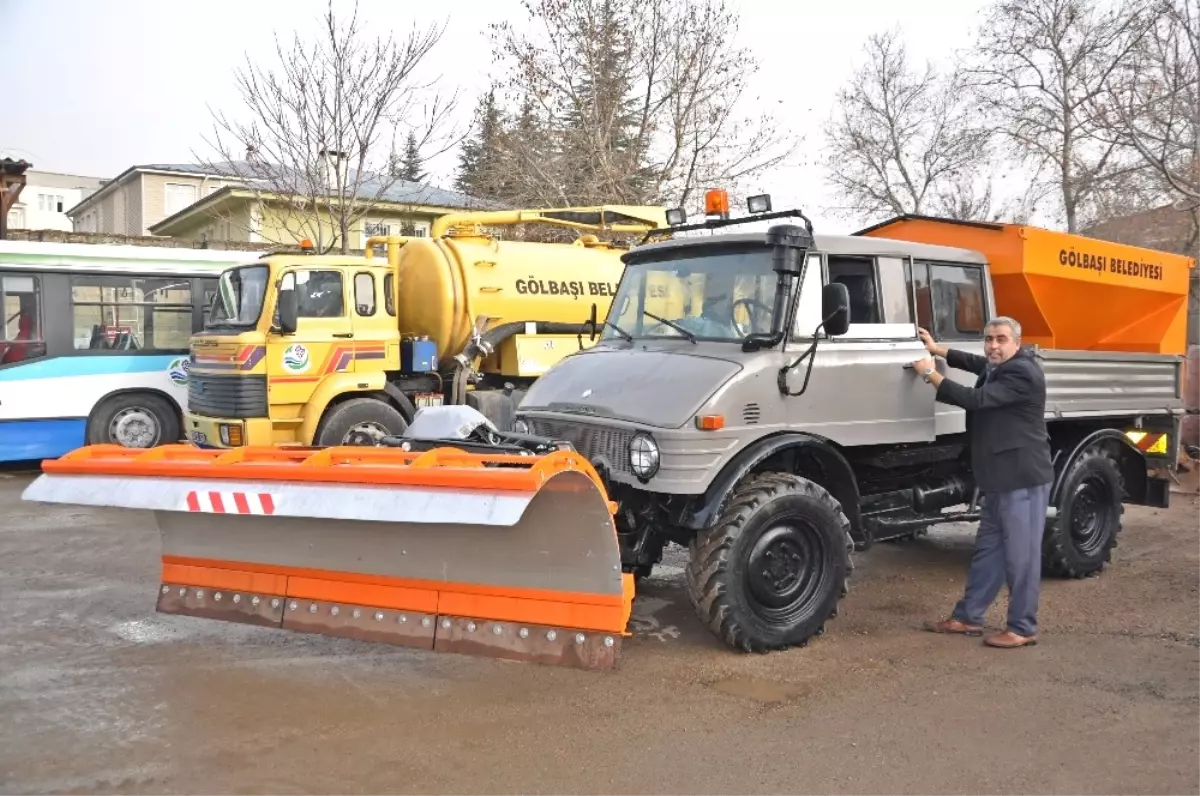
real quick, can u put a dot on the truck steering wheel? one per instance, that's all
(748, 302)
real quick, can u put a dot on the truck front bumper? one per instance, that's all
(226, 432)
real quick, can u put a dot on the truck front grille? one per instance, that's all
(227, 396)
(594, 442)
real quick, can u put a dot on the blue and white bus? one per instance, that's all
(94, 342)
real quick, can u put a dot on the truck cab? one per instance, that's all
(280, 332)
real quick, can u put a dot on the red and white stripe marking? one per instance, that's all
(231, 503)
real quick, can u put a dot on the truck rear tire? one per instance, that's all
(771, 570)
(359, 421)
(1079, 540)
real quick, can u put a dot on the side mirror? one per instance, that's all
(835, 308)
(289, 309)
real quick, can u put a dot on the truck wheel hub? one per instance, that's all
(367, 434)
(1090, 508)
(778, 566)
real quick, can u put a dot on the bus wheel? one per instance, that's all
(360, 421)
(134, 420)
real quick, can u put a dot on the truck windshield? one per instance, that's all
(716, 294)
(239, 297)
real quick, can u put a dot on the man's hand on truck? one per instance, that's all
(930, 345)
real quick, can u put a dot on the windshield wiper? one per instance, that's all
(673, 325)
(618, 330)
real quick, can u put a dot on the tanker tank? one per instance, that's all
(444, 284)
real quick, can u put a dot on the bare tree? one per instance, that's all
(907, 140)
(1039, 64)
(321, 128)
(631, 101)
(1151, 104)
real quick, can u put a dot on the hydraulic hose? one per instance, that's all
(487, 342)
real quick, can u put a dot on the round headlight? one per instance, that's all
(643, 455)
(520, 426)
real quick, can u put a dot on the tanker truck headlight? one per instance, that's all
(520, 426)
(643, 456)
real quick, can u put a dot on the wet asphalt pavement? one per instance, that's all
(100, 694)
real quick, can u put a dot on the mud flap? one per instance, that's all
(506, 556)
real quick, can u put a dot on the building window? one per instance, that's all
(176, 197)
(376, 229)
(16, 218)
(21, 332)
(51, 203)
(128, 313)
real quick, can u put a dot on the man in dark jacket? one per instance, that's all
(1010, 457)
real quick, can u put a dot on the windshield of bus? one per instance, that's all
(239, 298)
(712, 294)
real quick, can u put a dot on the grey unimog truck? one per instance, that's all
(748, 399)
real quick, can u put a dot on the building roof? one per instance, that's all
(400, 192)
(1169, 228)
(393, 200)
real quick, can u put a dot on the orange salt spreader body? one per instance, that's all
(1070, 292)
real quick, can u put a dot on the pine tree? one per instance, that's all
(409, 165)
(600, 126)
(480, 171)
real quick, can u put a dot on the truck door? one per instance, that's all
(859, 392)
(375, 329)
(297, 363)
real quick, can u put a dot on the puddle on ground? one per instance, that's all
(762, 690)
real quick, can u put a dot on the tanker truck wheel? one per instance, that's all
(1080, 539)
(359, 421)
(771, 570)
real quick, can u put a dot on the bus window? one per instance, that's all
(131, 313)
(21, 331)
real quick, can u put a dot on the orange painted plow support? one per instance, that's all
(505, 556)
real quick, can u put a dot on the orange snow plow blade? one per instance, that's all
(499, 555)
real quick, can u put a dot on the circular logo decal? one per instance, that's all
(178, 370)
(295, 358)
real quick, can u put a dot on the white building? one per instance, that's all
(47, 196)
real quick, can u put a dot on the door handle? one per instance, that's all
(344, 334)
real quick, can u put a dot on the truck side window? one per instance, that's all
(389, 297)
(895, 280)
(320, 294)
(364, 294)
(858, 275)
(950, 300)
(808, 307)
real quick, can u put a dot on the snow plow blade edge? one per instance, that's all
(498, 555)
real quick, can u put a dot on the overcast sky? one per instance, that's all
(96, 86)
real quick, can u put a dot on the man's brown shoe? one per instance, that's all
(953, 626)
(1010, 640)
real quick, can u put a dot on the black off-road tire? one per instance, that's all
(728, 598)
(1079, 541)
(339, 420)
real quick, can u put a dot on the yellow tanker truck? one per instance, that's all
(343, 350)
